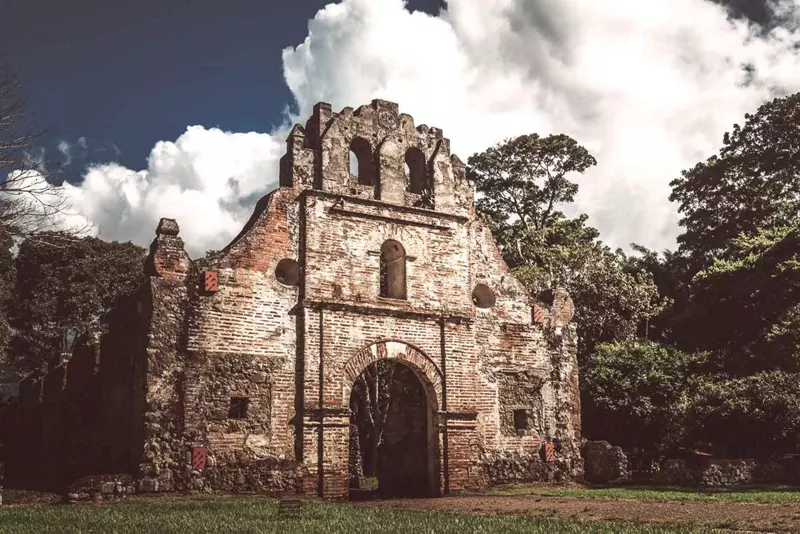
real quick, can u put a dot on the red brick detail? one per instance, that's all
(549, 453)
(210, 281)
(199, 458)
(538, 314)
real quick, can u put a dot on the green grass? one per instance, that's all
(259, 515)
(757, 494)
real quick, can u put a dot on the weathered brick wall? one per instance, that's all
(305, 339)
(286, 317)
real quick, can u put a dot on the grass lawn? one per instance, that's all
(259, 515)
(758, 494)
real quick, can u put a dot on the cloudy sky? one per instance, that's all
(180, 109)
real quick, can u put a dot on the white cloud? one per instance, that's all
(649, 87)
(208, 179)
(66, 150)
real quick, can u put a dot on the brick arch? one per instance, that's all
(425, 368)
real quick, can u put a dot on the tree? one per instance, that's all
(736, 278)
(746, 304)
(755, 415)
(369, 404)
(29, 202)
(741, 210)
(754, 182)
(7, 278)
(637, 393)
(522, 185)
(64, 287)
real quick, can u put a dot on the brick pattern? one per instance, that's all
(295, 351)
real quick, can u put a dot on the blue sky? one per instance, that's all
(127, 74)
(178, 108)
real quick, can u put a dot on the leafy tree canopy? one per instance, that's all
(754, 415)
(523, 183)
(747, 302)
(64, 287)
(637, 393)
(753, 183)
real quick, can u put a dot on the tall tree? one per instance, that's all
(64, 287)
(738, 207)
(523, 184)
(753, 184)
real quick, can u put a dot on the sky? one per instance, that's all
(180, 109)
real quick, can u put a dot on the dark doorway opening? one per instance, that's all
(392, 446)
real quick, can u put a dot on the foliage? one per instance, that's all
(637, 393)
(611, 299)
(733, 288)
(754, 182)
(64, 287)
(757, 414)
(747, 302)
(522, 184)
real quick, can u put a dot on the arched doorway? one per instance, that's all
(394, 442)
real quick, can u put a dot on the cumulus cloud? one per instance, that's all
(208, 179)
(648, 87)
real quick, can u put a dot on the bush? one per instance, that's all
(636, 394)
(752, 416)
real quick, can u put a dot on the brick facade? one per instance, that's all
(289, 340)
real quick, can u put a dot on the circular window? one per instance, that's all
(288, 272)
(482, 296)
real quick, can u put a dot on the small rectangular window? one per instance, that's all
(520, 420)
(238, 408)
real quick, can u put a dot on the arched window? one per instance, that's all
(393, 270)
(416, 171)
(361, 161)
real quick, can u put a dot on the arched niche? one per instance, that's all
(393, 270)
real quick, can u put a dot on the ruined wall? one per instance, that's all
(285, 338)
(318, 156)
(238, 373)
(78, 417)
(714, 472)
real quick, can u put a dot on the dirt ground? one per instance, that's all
(711, 515)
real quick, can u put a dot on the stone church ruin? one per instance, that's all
(362, 325)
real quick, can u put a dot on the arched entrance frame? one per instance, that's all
(429, 375)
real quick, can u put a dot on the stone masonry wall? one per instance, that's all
(334, 227)
(724, 472)
(239, 378)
